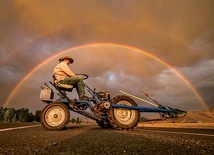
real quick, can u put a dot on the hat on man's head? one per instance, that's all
(66, 58)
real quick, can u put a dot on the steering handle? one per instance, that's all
(84, 76)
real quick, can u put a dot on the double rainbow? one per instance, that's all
(10, 96)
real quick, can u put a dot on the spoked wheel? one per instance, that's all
(123, 119)
(55, 116)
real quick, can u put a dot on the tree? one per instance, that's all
(24, 116)
(37, 116)
(1, 114)
(20, 115)
(8, 115)
(78, 120)
(14, 119)
(73, 120)
(143, 119)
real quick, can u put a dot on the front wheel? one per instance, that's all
(55, 116)
(123, 119)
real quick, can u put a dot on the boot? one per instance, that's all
(85, 98)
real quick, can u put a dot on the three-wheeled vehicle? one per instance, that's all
(120, 112)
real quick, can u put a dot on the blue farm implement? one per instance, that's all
(120, 112)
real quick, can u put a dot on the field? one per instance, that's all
(193, 119)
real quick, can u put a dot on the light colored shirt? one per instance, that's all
(62, 71)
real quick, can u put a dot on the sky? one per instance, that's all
(165, 47)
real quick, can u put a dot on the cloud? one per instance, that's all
(204, 44)
(201, 76)
(110, 71)
(180, 33)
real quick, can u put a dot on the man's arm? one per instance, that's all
(65, 68)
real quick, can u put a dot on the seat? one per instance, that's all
(63, 87)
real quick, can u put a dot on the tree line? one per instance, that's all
(20, 115)
(23, 115)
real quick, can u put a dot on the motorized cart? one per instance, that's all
(120, 112)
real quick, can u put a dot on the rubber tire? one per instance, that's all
(123, 119)
(104, 125)
(55, 116)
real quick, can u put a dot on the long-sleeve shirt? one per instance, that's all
(62, 71)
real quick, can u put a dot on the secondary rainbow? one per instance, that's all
(10, 96)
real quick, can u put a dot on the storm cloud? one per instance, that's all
(181, 33)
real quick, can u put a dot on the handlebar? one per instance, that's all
(84, 76)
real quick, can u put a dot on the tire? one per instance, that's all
(123, 119)
(104, 124)
(55, 116)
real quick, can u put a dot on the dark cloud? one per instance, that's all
(179, 32)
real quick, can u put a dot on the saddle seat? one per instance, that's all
(63, 87)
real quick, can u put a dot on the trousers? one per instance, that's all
(77, 82)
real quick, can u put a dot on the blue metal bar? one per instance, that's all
(141, 109)
(93, 94)
(87, 114)
(88, 104)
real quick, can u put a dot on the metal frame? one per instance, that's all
(72, 103)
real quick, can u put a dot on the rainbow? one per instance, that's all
(19, 49)
(27, 43)
(10, 96)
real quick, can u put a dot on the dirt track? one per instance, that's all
(193, 119)
(178, 125)
(196, 116)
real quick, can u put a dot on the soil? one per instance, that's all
(193, 119)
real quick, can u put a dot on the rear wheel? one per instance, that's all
(104, 124)
(55, 116)
(123, 119)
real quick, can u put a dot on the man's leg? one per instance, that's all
(75, 81)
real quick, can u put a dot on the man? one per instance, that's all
(64, 75)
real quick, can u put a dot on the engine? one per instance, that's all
(104, 104)
(103, 96)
